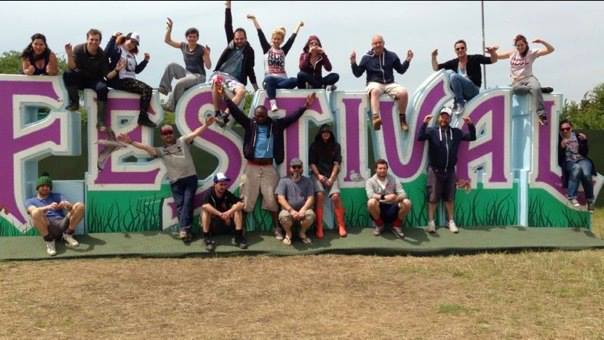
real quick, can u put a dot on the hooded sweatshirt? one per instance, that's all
(380, 68)
(443, 144)
(314, 65)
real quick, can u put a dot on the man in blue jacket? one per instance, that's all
(379, 64)
(443, 143)
(263, 144)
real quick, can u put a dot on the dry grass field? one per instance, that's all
(552, 295)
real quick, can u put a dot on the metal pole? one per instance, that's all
(484, 67)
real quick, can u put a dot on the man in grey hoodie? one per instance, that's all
(379, 64)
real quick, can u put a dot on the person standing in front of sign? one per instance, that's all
(379, 64)
(176, 156)
(464, 73)
(521, 71)
(443, 145)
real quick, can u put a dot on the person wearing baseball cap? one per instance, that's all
(443, 144)
(47, 210)
(222, 211)
(295, 194)
(176, 156)
(122, 50)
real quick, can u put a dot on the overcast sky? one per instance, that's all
(573, 28)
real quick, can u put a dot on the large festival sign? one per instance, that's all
(508, 176)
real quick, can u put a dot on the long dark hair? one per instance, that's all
(28, 52)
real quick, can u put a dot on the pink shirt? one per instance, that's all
(522, 67)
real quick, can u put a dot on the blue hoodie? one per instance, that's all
(379, 69)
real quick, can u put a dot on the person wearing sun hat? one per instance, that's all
(47, 210)
(443, 144)
(122, 49)
(176, 156)
(222, 211)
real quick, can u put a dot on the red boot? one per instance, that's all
(319, 223)
(339, 211)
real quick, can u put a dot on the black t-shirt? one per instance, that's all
(323, 155)
(221, 204)
(91, 66)
(473, 68)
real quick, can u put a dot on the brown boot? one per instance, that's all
(339, 211)
(376, 121)
(319, 224)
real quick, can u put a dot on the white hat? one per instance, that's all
(134, 36)
(446, 110)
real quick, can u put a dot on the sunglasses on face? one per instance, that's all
(167, 133)
(296, 166)
(565, 129)
(460, 48)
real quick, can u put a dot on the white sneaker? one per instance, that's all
(453, 227)
(72, 242)
(274, 105)
(431, 227)
(575, 203)
(50, 248)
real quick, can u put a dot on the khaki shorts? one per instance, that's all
(392, 89)
(259, 179)
(286, 219)
(335, 187)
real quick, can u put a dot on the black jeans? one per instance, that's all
(75, 81)
(304, 78)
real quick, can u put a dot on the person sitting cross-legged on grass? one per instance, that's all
(295, 194)
(222, 211)
(387, 201)
(47, 210)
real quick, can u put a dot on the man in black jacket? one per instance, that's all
(465, 76)
(235, 65)
(262, 144)
(443, 143)
(576, 166)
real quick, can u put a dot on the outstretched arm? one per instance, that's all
(292, 38)
(228, 22)
(197, 132)
(492, 51)
(548, 48)
(124, 138)
(263, 42)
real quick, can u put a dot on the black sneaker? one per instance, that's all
(547, 89)
(210, 244)
(144, 120)
(590, 207)
(242, 243)
(222, 119)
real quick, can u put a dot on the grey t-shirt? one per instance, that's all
(193, 59)
(295, 193)
(234, 63)
(177, 159)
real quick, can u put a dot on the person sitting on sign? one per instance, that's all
(196, 57)
(47, 210)
(521, 71)
(275, 76)
(37, 59)
(312, 61)
(176, 156)
(124, 48)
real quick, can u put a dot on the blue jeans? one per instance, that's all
(183, 192)
(316, 83)
(462, 87)
(580, 171)
(271, 84)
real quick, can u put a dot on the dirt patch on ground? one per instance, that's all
(528, 295)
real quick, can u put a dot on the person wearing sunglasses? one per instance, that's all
(464, 73)
(521, 71)
(576, 166)
(176, 156)
(295, 194)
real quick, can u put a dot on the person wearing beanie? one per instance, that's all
(312, 61)
(325, 157)
(47, 210)
(443, 144)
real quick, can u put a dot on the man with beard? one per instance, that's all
(443, 144)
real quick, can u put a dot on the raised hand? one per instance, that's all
(227, 3)
(117, 34)
(435, 53)
(427, 119)
(124, 138)
(206, 51)
(538, 41)
(409, 55)
(251, 17)
(310, 99)
(210, 120)
(467, 120)
(147, 56)
(68, 49)
(169, 24)
(353, 57)
(491, 49)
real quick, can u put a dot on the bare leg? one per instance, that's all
(75, 215)
(431, 210)
(373, 206)
(38, 217)
(450, 206)
(405, 207)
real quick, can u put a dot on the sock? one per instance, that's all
(379, 222)
(397, 223)
(69, 232)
